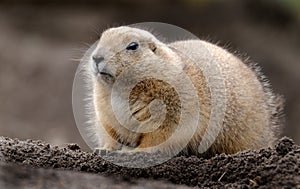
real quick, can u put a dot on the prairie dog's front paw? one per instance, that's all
(108, 147)
(100, 151)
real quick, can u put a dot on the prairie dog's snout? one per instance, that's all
(101, 68)
(97, 59)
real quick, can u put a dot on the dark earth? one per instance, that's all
(35, 164)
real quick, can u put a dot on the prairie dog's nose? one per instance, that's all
(98, 59)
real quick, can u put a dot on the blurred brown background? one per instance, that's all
(39, 40)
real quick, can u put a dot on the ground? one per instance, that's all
(34, 164)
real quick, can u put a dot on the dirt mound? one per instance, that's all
(13, 176)
(271, 168)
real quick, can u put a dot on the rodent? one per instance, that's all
(252, 115)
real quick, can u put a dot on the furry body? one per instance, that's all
(251, 117)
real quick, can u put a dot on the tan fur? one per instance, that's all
(249, 121)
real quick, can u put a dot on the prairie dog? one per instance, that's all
(251, 114)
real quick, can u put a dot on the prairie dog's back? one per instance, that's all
(247, 122)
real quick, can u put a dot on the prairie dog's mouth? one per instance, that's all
(106, 76)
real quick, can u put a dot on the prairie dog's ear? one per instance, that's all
(152, 47)
(182, 59)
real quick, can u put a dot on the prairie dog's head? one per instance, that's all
(121, 47)
(132, 66)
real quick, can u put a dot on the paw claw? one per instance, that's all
(102, 152)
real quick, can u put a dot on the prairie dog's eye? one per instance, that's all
(132, 46)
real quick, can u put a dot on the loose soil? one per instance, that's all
(23, 163)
